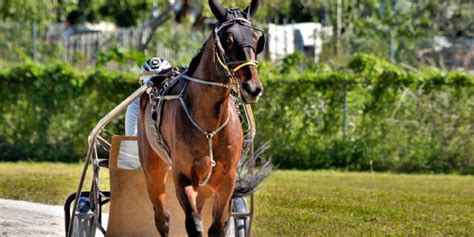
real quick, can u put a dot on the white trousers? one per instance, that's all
(131, 118)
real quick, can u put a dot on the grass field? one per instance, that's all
(306, 203)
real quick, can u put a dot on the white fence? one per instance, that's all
(84, 44)
(282, 40)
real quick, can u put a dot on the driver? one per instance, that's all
(154, 64)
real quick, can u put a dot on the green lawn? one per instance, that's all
(49, 183)
(306, 203)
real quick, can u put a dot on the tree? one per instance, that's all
(384, 26)
(27, 11)
(150, 26)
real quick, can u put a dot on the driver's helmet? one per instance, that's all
(153, 65)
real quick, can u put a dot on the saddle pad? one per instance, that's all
(150, 133)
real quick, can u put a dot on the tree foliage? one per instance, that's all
(383, 27)
(27, 10)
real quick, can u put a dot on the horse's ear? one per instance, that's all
(251, 10)
(219, 11)
(260, 44)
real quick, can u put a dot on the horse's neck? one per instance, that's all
(210, 104)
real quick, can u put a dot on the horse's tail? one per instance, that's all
(252, 171)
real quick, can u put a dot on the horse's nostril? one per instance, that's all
(246, 87)
(251, 91)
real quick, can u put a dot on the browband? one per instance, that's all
(231, 22)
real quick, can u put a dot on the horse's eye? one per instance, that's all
(229, 40)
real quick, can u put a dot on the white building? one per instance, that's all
(304, 37)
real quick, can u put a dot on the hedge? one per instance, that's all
(396, 118)
(48, 111)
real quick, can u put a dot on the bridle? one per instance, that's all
(220, 52)
(224, 65)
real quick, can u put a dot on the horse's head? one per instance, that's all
(238, 44)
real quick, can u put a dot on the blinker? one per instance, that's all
(243, 36)
(260, 43)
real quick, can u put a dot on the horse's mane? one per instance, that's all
(196, 60)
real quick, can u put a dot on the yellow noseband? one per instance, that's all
(234, 70)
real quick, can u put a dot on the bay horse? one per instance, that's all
(198, 126)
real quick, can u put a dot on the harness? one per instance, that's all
(158, 95)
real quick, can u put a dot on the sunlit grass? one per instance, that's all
(307, 203)
(49, 183)
(304, 203)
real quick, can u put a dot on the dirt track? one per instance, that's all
(19, 218)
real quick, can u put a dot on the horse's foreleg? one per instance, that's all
(203, 196)
(187, 199)
(221, 205)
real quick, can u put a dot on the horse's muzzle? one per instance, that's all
(251, 91)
